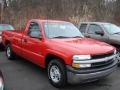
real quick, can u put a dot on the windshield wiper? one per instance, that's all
(117, 33)
(77, 37)
(68, 37)
(61, 37)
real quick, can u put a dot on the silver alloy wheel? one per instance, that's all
(55, 74)
(8, 51)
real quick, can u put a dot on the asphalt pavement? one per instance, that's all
(20, 74)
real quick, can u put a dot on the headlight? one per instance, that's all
(1, 84)
(81, 57)
(76, 61)
(0, 37)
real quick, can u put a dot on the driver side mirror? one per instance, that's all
(99, 33)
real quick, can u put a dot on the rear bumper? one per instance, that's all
(83, 76)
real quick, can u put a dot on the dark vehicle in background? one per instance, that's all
(4, 27)
(106, 32)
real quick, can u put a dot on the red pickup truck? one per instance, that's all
(60, 47)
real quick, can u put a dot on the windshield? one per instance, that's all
(111, 28)
(6, 27)
(61, 30)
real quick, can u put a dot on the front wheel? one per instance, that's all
(57, 73)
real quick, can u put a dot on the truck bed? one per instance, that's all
(10, 34)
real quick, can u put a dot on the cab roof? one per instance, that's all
(94, 23)
(47, 20)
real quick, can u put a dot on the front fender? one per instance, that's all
(67, 57)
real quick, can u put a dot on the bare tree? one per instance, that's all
(18, 12)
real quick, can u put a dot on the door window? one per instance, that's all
(94, 28)
(83, 28)
(34, 30)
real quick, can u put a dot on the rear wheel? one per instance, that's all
(57, 73)
(9, 53)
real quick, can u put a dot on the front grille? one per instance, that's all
(102, 64)
(102, 55)
(99, 65)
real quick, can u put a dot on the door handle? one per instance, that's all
(25, 40)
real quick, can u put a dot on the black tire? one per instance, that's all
(11, 53)
(118, 63)
(62, 70)
(118, 57)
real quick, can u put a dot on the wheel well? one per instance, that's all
(50, 57)
(7, 42)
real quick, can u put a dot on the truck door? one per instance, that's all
(33, 44)
(96, 32)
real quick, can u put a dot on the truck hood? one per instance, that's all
(81, 46)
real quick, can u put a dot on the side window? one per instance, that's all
(34, 30)
(83, 28)
(93, 28)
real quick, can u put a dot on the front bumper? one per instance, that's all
(82, 76)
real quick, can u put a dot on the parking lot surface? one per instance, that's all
(20, 74)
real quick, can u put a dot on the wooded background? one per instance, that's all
(18, 12)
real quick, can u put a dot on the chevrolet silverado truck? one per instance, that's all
(60, 48)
